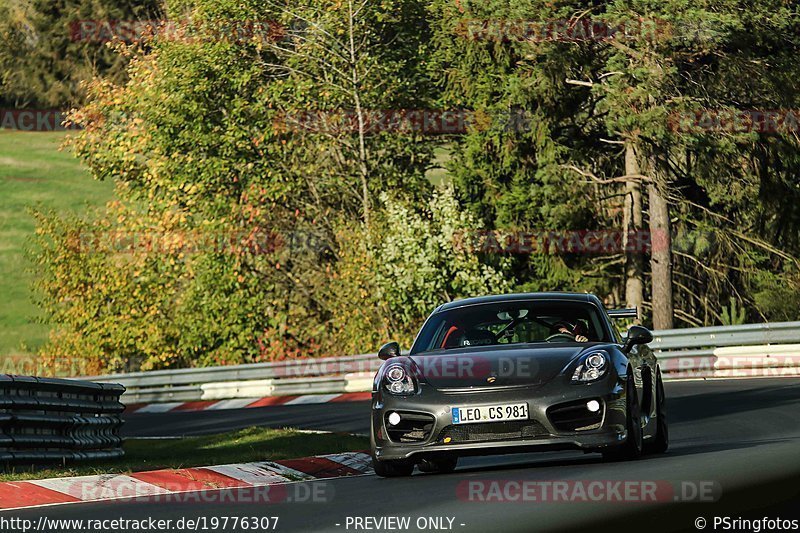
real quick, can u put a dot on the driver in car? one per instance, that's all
(574, 329)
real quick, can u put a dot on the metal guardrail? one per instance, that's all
(278, 370)
(297, 376)
(43, 420)
(719, 336)
(748, 350)
(679, 350)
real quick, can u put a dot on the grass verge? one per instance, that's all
(33, 173)
(244, 446)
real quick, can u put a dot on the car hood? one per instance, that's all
(498, 366)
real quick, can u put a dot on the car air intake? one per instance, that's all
(413, 427)
(576, 416)
(490, 431)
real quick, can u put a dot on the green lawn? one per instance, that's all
(245, 446)
(33, 172)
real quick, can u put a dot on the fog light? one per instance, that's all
(593, 405)
(394, 419)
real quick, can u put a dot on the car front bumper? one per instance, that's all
(546, 427)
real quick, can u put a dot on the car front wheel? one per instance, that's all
(660, 442)
(632, 447)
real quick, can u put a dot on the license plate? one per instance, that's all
(490, 413)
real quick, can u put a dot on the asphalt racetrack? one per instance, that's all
(735, 445)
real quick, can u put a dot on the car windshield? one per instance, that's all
(503, 323)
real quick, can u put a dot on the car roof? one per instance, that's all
(523, 296)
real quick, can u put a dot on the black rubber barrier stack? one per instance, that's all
(47, 420)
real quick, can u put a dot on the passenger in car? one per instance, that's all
(575, 329)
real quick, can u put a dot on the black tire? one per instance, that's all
(439, 466)
(634, 443)
(392, 468)
(660, 443)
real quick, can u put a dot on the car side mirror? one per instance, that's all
(636, 335)
(389, 350)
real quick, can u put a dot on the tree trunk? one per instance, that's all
(660, 257)
(632, 224)
(363, 168)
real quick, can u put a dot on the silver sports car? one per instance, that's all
(513, 373)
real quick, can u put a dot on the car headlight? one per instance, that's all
(593, 366)
(398, 381)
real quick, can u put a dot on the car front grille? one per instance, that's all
(492, 431)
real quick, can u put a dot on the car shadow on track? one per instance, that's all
(531, 462)
(678, 450)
